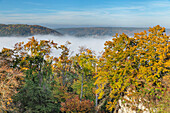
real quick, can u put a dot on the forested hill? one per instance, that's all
(100, 31)
(25, 30)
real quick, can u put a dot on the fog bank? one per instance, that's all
(94, 43)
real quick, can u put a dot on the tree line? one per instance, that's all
(131, 71)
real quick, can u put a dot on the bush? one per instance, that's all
(75, 105)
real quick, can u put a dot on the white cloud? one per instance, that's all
(161, 3)
(142, 14)
(125, 8)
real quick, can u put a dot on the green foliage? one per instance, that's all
(84, 65)
(32, 98)
(134, 70)
(88, 89)
(34, 60)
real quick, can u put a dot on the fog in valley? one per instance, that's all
(94, 43)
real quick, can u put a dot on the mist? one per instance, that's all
(94, 43)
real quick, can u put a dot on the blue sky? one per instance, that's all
(123, 13)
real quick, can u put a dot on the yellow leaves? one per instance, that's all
(88, 51)
(101, 94)
(111, 105)
(167, 64)
(126, 61)
(136, 63)
(24, 68)
(8, 103)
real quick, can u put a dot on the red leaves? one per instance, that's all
(74, 105)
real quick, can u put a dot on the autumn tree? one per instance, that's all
(133, 72)
(34, 61)
(62, 65)
(84, 65)
(10, 80)
(134, 67)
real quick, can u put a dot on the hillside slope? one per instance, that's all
(25, 30)
(101, 31)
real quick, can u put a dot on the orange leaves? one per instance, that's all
(10, 81)
(7, 52)
(132, 67)
(74, 105)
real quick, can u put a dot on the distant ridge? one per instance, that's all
(101, 31)
(25, 30)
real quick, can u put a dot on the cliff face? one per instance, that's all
(25, 30)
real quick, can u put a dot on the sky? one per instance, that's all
(106, 13)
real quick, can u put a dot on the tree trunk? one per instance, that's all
(96, 100)
(63, 74)
(96, 88)
(81, 95)
(117, 108)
